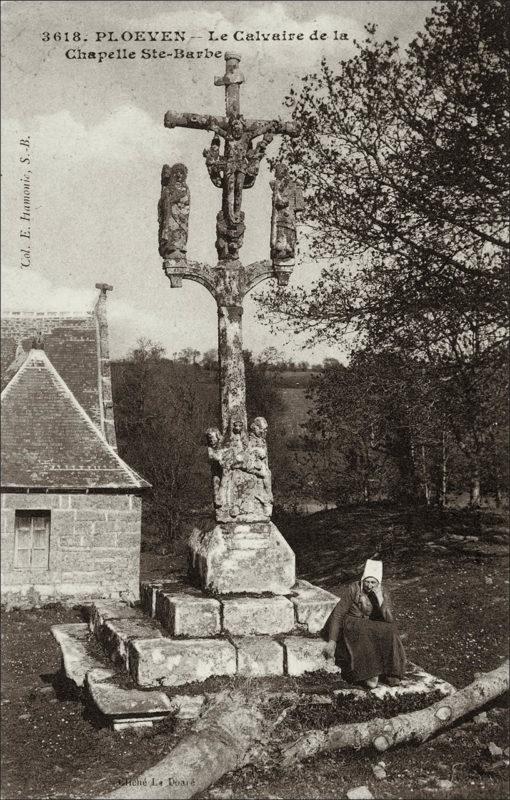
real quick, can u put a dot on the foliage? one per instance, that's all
(262, 397)
(403, 158)
(210, 359)
(385, 427)
(162, 412)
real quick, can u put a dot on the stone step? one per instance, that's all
(126, 708)
(74, 640)
(415, 681)
(259, 656)
(115, 624)
(115, 635)
(149, 589)
(175, 662)
(103, 610)
(195, 615)
(312, 605)
(306, 655)
(246, 616)
(188, 615)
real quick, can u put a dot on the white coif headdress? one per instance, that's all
(373, 569)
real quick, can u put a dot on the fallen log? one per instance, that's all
(219, 743)
(414, 726)
(235, 731)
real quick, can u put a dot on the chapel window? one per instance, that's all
(32, 540)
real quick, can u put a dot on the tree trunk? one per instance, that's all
(218, 743)
(366, 493)
(411, 476)
(497, 472)
(234, 732)
(415, 726)
(444, 481)
(426, 488)
(474, 489)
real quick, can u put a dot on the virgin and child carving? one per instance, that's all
(240, 473)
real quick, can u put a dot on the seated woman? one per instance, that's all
(362, 634)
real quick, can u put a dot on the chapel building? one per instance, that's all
(71, 507)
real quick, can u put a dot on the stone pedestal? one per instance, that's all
(250, 558)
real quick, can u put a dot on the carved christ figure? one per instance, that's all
(240, 163)
(173, 212)
(287, 200)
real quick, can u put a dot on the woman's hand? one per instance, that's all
(329, 650)
(378, 593)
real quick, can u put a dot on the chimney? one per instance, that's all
(105, 380)
(37, 342)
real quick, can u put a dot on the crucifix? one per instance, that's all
(229, 281)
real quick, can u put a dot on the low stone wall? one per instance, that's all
(94, 548)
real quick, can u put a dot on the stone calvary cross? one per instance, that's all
(244, 552)
(250, 617)
(228, 281)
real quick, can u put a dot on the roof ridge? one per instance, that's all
(28, 314)
(35, 353)
(16, 375)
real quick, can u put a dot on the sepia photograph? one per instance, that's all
(255, 400)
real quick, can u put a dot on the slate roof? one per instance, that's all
(71, 342)
(48, 439)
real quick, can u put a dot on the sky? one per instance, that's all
(97, 144)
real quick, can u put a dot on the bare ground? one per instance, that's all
(452, 611)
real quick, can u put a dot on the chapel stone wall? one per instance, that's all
(94, 547)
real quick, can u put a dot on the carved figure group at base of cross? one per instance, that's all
(240, 472)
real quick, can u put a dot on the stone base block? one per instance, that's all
(306, 655)
(148, 592)
(76, 659)
(126, 706)
(313, 605)
(248, 558)
(246, 616)
(258, 657)
(171, 662)
(130, 724)
(187, 706)
(415, 681)
(116, 634)
(103, 610)
(186, 615)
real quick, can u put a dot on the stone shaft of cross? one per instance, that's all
(229, 281)
(228, 285)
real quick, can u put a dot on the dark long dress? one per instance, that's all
(368, 642)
